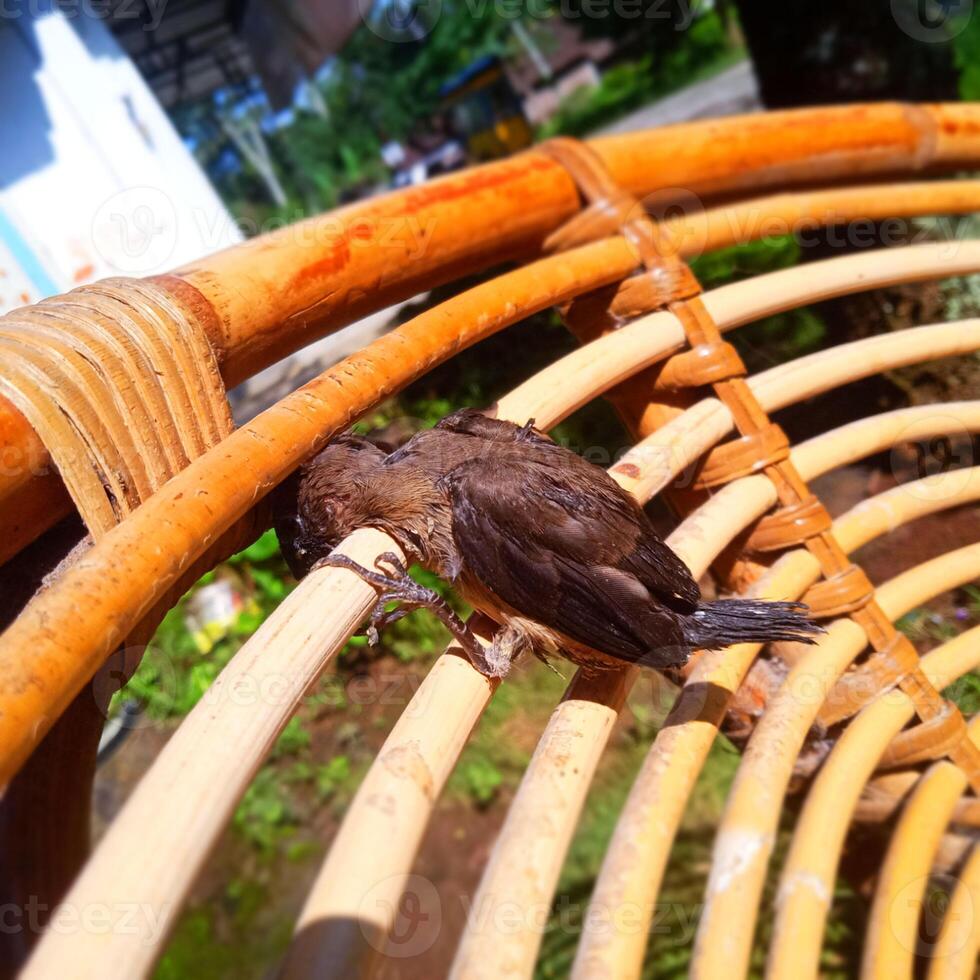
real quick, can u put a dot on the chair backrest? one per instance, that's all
(855, 726)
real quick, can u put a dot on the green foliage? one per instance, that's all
(966, 56)
(481, 779)
(294, 738)
(332, 776)
(703, 50)
(263, 817)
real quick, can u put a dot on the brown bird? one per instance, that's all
(542, 541)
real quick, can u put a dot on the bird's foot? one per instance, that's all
(394, 584)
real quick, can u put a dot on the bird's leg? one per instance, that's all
(398, 586)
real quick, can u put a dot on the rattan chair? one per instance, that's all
(121, 385)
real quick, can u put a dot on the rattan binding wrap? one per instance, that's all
(121, 385)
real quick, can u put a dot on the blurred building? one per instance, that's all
(95, 181)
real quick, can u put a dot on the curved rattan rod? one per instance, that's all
(30, 505)
(746, 832)
(900, 892)
(260, 728)
(954, 956)
(637, 855)
(807, 879)
(75, 623)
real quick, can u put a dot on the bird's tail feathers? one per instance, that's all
(724, 622)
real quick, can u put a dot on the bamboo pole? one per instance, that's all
(807, 879)
(27, 480)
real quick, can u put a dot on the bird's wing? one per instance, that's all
(585, 564)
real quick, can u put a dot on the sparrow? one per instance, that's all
(543, 542)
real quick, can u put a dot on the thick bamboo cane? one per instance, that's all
(32, 497)
(807, 879)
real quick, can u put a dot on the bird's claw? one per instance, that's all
(399, 586)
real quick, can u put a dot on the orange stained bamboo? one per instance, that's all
(900, 893)
(954, 956)
(25, 461)
(807, 879)
(73, 625)
(277, 292)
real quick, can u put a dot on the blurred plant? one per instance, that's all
(697, 52)
(482, 779)
(263, 817)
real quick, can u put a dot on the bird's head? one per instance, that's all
(329, 497)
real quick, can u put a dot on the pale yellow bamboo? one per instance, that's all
(803, 212)
(636, 858)
(807, 881)
(391, 810)
(892, 933)
(747, 830)
(600, 365)
(877, 432)
(954, 957)
(888, 510)
(153, 848)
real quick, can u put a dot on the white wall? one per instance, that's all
(94, 179)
